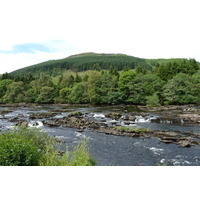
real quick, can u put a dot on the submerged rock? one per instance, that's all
(185, 143)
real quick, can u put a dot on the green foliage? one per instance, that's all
(132, 129)
(168, 70)
(21, 147)
(67, 80)
(46, 95)
(125, 79)
(15, 93)
(3, 86)
(64, 95)
(32, 147)
(136, 87)
(182, 89)
(93, 87)
(141, 85)
(152, 100)
(82, 62)
(79, 94)
(80, 156)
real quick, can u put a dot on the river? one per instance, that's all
(110, 150)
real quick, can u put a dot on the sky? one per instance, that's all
(34, 31)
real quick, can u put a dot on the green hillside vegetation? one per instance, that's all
(91, 61)
(162, 61)
(83, 62)
(173, 81)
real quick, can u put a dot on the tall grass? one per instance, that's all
(33, 147)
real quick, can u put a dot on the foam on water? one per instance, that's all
(140, 119)
(156, 151)
(61, 137)
(35, 124)
(78, 134)
(98, 115)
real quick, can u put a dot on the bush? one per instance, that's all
(16, 150)
(33, 147)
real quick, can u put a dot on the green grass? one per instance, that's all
(134, 129)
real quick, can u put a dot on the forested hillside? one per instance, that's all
(173, 82)
(83, 62)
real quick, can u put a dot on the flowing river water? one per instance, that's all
(110, 150)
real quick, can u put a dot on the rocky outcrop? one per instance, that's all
(113, 115)
(3, 112)
(81, 123)
(190, 117)
(42, 115)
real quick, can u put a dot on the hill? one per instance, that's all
(88, 61)
(82, 62)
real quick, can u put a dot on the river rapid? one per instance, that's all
(110, 150)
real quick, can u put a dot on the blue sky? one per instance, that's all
(36, 31)
(26, 48)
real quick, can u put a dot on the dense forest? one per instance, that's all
(83, 62)
(149, 83)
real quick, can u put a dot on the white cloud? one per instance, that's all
(143, 28)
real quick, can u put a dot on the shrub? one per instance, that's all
(78, 156)
(18, 151)
(33, 147)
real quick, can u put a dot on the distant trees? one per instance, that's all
(169, 70)
(170, 83)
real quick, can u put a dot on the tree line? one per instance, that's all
(169, 83)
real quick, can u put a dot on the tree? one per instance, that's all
(46, 95)
(125, 79)
(77, 79)
(143, 86)
(67, 81)
(182, 89)
(79, 94)
(93, 87)
(15, 93)
(169, 70)
(64, 95)
(3, 86)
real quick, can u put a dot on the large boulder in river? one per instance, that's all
(113, 115)
(24, 123)
(185, 143)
